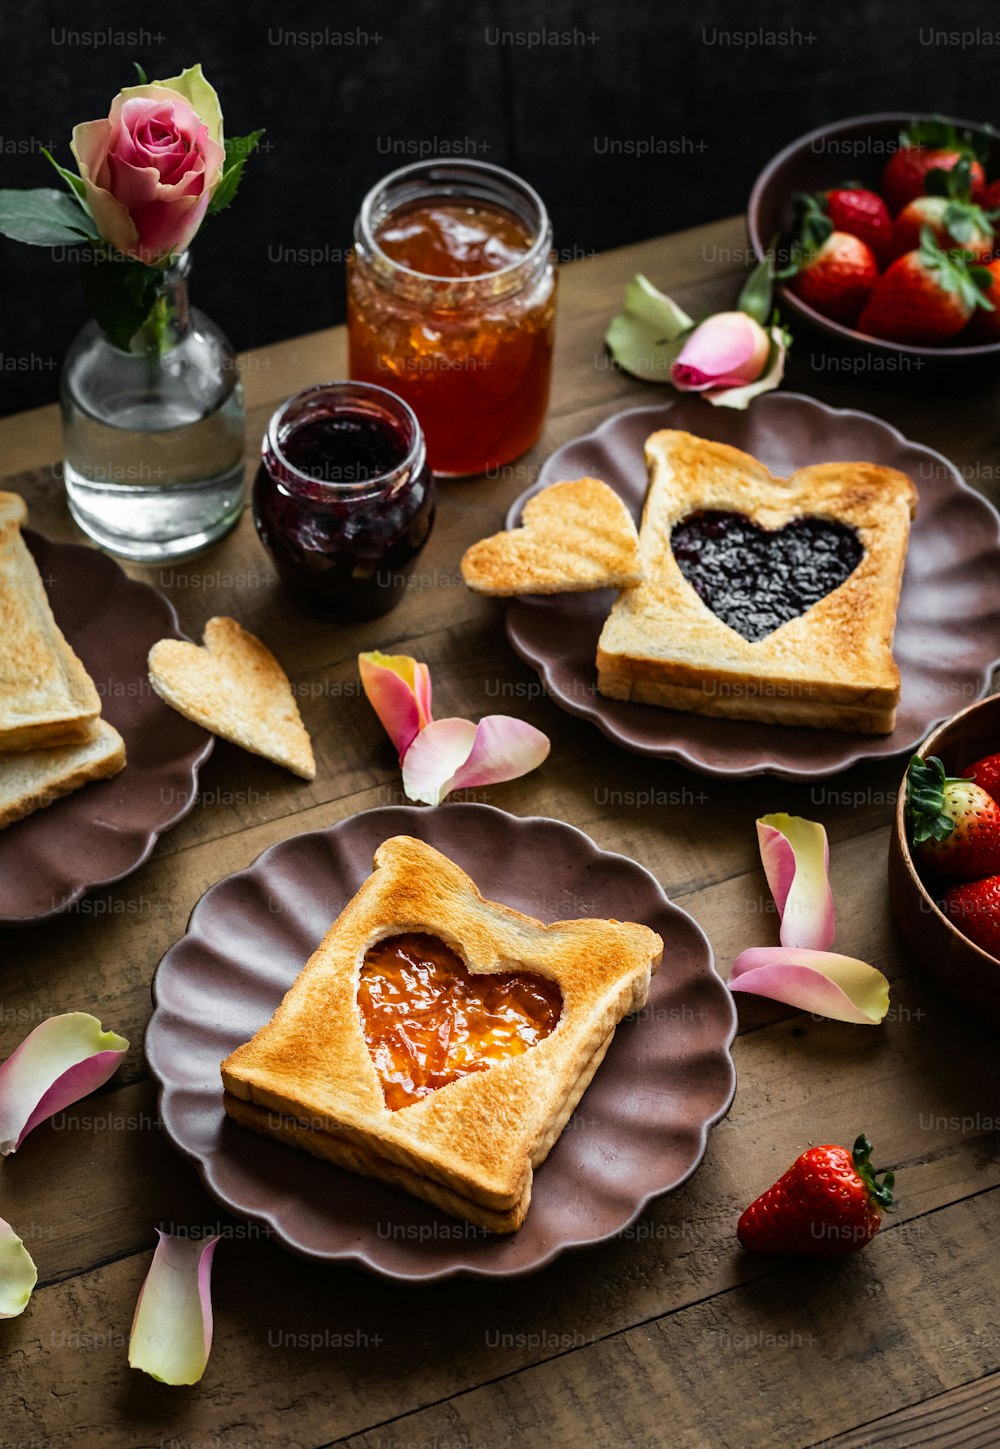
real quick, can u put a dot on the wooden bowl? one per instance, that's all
(968, 974)
(852, 150)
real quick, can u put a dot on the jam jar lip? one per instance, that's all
(350, 396)
(458, 179)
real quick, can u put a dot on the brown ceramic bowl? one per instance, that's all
(852, 150)
(966, 973)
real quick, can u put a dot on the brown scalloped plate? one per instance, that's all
(641, 1127)
(104, 830)
(947, 629)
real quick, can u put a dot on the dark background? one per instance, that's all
(339, 116)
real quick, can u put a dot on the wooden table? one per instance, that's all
(675, 1338)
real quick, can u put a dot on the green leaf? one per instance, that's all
(71, 179)
(925, 812)
(238, 149)
(140, 72)
(44, 218)
(120, 294)
(755, 298)
(648, 335)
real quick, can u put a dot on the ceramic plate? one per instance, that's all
(104, 830)
(947, 630)
(640, 1128)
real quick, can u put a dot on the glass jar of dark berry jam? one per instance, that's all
(344, 499)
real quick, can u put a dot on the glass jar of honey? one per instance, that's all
(451, 303)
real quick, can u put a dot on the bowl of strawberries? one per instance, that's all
(944, 858)
(886, 234)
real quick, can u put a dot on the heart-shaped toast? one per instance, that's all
(574, 536)
(429, 1021)
(234, 686)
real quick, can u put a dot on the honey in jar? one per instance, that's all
(429, 1021)
(451, 305)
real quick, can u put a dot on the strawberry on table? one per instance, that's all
(975, 909)
(986, 773)
(949, 211)
(929, 145)
(926, 296)
(862, 213)
(828, 1204)
(954, 824)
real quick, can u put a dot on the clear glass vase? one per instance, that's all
(153, 438)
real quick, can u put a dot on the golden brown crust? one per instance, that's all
(574, 536)
(35, 778)
(478, 1139)
(831, 667)
(235, 687)
(47, 698)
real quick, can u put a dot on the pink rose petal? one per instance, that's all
(62, 1060)
(740, 397)
(727, 350)
(171, 1335)
(399, 691)
(796, 857)
(820, 982)
(455, 754)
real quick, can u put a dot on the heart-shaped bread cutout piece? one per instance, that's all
(573, 537)
(429, 1021)
(756, 579)
(234, 686)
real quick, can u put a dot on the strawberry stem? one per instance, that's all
(925, 812)
(880, 1192)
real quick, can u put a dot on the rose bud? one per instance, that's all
(149, 169)
(727, 350)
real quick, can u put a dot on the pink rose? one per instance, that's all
(727, 350)
(149, 169)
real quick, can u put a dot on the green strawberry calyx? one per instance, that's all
(963, 219)
(879, 1192)
(936, 133)
(813, 228)
(955, 271)
(925, 799)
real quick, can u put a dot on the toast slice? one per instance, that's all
(234, 686)
(309, 1077)
(830, 667)
(32, 779)
(574, 536)
(47, 698)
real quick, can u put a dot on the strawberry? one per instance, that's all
(863, 213)
(928, 145)
(831, 270)
(975, 909)
(926, 295)
(989, 198)
(985, 326)
(986, 773)
(950, 213)
(828, 1204)
(954, 825)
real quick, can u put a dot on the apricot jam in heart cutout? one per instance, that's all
(429, 1021)
(756, 579)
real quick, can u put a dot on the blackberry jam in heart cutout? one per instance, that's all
(429, 1021)
(756, 579)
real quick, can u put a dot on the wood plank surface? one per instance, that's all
(668, 1336)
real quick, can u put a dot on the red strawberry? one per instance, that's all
(862, 213)
(989, 199)
(926, 295)
(949, 211)
(975, 909)
(926, 146)
(954, 825)
(837, 278)
(986, 773)
(985, 326)
(828, 1204)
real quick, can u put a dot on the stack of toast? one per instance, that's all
(52, 736)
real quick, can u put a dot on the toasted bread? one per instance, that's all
(309, 1079)
(829, 667)
(574, 536)
(235, 687)
(47, 697)
(31, 779)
